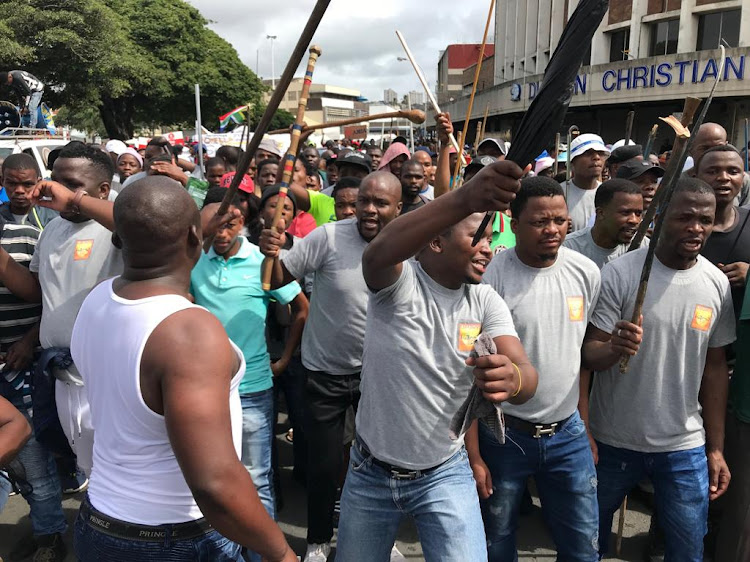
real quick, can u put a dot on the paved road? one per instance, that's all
(534, 542)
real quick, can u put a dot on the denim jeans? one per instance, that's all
(257, 440)
(45, 497)
(34, 100)
(565, 475)
(91, 545)
(443, 503)
(680, 480)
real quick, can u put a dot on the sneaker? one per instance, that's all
(51, 549)
(75, 482)
(318, 552)
(25, 547)
(396, 555)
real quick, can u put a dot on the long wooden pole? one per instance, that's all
(430, 97)
(290, 158)
(477, 70)
(484, 122)
(273, 104)
(415, 116)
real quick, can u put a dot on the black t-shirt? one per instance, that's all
(730, 247)
(421, 202)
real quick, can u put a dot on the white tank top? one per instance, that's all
(136, 477)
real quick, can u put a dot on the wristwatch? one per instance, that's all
(75, 206)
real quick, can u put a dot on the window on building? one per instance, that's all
(664, 38)
(619, 45)
(714, 27)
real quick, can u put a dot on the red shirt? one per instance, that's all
(302, 225)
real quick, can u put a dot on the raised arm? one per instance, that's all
(57, 197)
(443, 172)
(492, 189)
(195, 396)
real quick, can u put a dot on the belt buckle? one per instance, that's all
(541, 430)
(404, 475)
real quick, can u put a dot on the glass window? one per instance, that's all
(714, 27)
(619, 45)
(664, 37)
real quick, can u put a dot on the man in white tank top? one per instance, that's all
(167, 482)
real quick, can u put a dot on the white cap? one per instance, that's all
(116, 146)
(689, 164)
(586, 142)
(621, 142)
(543, 164)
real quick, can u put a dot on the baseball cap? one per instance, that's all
(636, 168)
(585, 142)
(498, 143)
(116, 146)
(621, 142)
(625, 153)
(543, 163)
(481, 162)
(354, 159)
(269, 145)
(246, 184)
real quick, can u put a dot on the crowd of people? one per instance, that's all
(145, 355)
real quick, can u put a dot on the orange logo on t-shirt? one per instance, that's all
(702, 318)
(467, 335)
(575, 309)
(83, 249)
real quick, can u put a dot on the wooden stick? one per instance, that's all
(414, 115)
(689, 109)
(273, 104)
(650, 141)
(669, 182)
(484, 121)
(476, 139)
(629, 127)
(556, 168)
(568, 171)
(747, 148)
(621, 526)
(290, 158)
(477, 70)
(423, 81)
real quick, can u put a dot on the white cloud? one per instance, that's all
(358, 39)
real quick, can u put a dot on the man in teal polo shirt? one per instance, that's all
(227, 281)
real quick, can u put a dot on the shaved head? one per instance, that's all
(708, 136)
(154, 218)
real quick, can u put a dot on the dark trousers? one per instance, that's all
(327, 398)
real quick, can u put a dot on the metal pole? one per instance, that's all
(411, 129)
(273, 69)
(199, 128)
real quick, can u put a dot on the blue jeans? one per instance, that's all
(443, 503)
(34, 100)
(45, 497)
(91, 545)
(680, 480)
(257, 440)
(565, 475)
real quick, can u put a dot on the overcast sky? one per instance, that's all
(358, 39)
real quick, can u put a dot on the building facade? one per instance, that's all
(647, 56)
(453, 61)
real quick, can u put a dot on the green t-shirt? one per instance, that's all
(502, 236)
(322, 207)
(739, 387)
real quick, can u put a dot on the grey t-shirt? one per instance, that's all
(580, 204)
(335, 330)
(551, 308)
(582, 242)
(414, 378)
(71, 259)
(654, 407)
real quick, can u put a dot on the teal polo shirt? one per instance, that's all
(232, 291)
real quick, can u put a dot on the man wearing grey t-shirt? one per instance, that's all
(619, 206)
(664, 417)
(423, 318)
(333, 337)
(587, 156)
(551, 292)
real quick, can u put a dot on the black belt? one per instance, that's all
(133, 531)
(395, 472)
(536, 430)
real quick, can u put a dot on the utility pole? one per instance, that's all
(273, 70)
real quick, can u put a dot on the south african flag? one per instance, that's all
(235, 116)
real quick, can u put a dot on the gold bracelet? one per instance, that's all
(520, 381)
